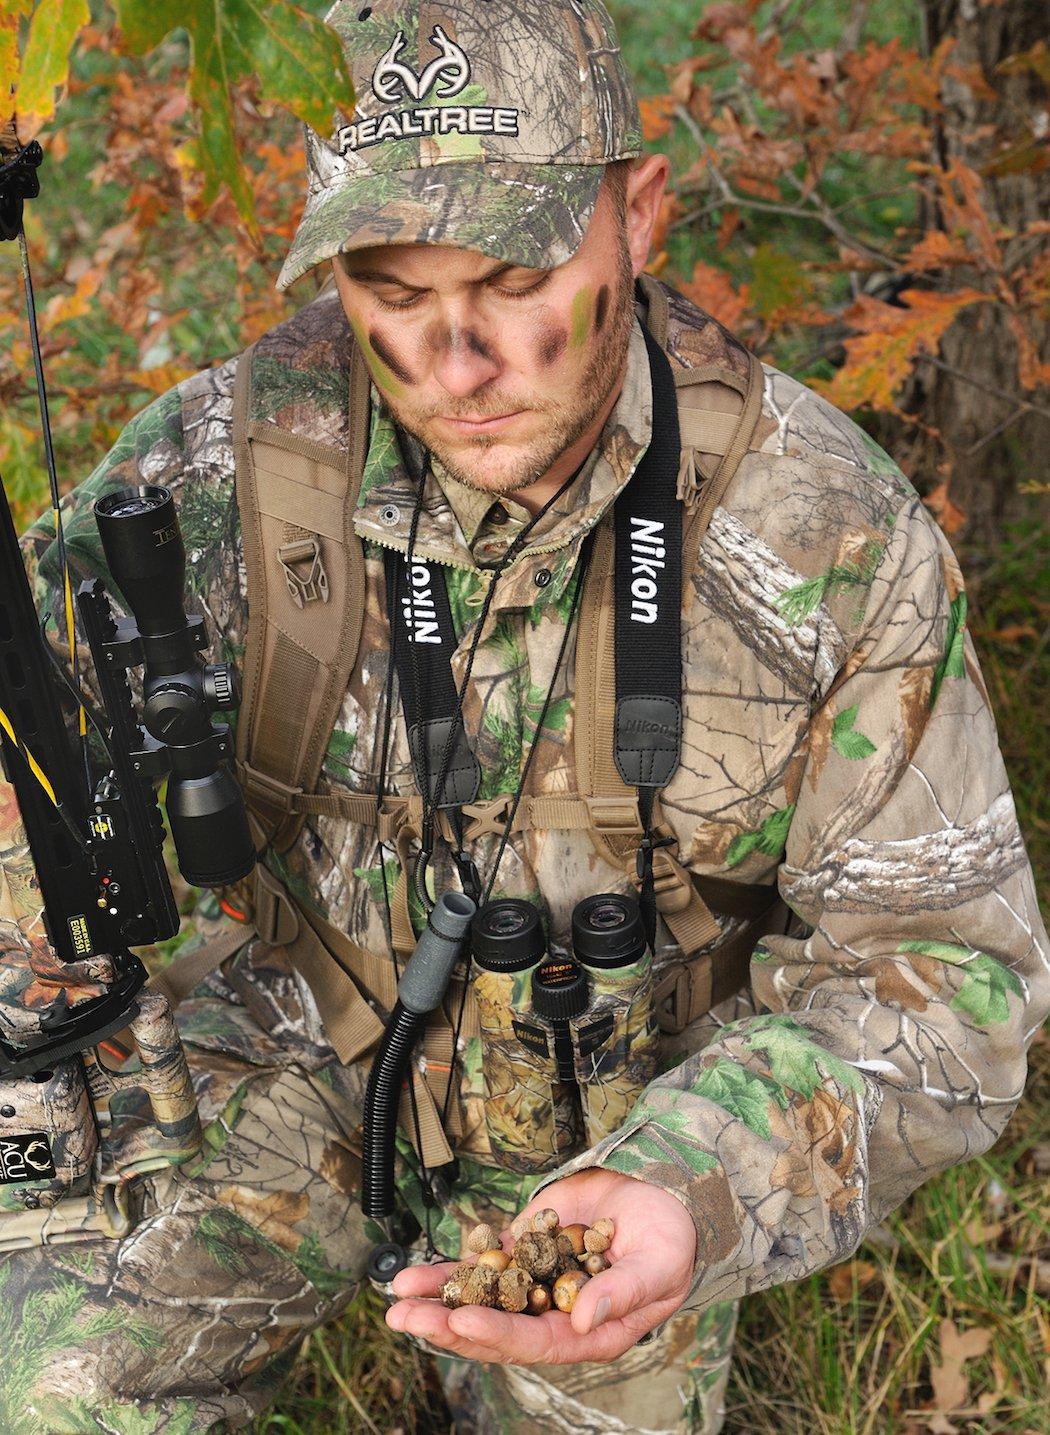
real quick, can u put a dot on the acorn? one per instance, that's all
(574, 1233)
(497, 1259)
(482, 1238)
(481, 1287)
(538, 1300)
(546, 1221)
(567, 1287)
(566, 1254)
(514, 1286)
(452, 1290)
(594, 1263)
(596, 1239)
(537, 1254)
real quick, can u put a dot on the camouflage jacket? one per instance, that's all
(837, 739)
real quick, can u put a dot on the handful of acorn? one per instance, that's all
(547, 1267)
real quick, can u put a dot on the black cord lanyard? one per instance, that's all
(405, 615)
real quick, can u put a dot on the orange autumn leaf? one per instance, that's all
(949, 516)
(887, 341)
(712, 290)
(656, 112)
(850, 1276)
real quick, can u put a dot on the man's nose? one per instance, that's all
(465, 358)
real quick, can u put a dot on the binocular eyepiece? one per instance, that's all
(142, 541)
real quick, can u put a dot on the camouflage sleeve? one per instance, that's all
(890, 1043)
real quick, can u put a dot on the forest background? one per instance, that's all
(862, 192)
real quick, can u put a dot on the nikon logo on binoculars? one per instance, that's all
(647, 555)
(25, 1158)
(421, 618)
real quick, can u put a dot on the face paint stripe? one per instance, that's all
(385, 356)
(601, 308)
(580, 316)
(552, 345)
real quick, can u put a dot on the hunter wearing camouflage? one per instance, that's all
(837, 744)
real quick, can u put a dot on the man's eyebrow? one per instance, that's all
(381, 276)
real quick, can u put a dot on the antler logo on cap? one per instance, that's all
(392, 75)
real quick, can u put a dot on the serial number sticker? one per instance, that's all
(78, 930)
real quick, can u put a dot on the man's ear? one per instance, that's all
(646, 183)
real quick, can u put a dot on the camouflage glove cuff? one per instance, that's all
(645, 1150)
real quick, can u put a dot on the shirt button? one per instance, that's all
(543, 577)
(498, 515)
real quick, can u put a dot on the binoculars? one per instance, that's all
(569, 1042)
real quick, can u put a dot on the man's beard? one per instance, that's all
(567, 422)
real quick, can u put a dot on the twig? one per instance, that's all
(992, 389)
(819, 213)
(1007, 422)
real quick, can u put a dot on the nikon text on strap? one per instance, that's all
(424, 641)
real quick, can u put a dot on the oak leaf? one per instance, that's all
(950, 1381)
(888, 340)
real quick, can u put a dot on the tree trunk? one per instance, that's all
(988, 443)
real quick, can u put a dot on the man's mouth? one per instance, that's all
(481, 425)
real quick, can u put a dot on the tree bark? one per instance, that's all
(989, 446)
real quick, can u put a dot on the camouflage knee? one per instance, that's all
(674, 1385)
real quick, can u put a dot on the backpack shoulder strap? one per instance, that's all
(306, 584)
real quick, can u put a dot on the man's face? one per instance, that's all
(496, 369)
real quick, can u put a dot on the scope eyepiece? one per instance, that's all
(146, 556)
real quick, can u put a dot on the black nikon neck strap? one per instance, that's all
(648, 593)
(424, 641)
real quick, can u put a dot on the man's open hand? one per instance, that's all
(652, 1256)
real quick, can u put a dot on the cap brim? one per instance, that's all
(534, 215)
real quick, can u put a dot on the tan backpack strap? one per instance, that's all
(187, 972)
(348, 984)
(306, 585)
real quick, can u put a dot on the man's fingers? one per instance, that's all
(630, 1285)
(421, 1280)
(540, 1340)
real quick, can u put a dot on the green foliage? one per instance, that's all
(796, 1061)
(986, 983)
(741, 1092)
(953, 664)
(846, 740)
(769, 839)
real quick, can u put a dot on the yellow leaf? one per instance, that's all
(45, 61)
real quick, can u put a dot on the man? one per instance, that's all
(486, 213)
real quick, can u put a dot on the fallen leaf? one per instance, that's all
(951, 1384)
(850, 1276)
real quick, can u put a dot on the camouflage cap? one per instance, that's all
(480, 123)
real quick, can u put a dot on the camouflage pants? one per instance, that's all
(190, 1319)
